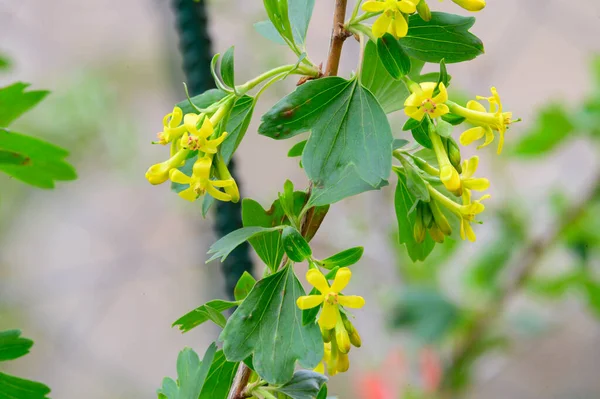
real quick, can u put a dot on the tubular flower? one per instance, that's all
(422, 101)
(200, 182)
(468, 212)
(448, 173)
(172, 127)
(159, 173)
(326, 358)
(197, 139)
(392, 19)
(329, 296)
(486, 122)
(471, 5)
(468, 181)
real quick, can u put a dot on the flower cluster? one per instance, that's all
(393, 18)
(195, 135)
(338, 332)
(429, 105)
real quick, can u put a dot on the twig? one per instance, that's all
(524, 267)
(338, 36)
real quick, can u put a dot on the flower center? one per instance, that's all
(332, 298)
(428, 106)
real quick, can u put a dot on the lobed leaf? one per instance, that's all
(12, 345)
(267, 325)
(202, 314)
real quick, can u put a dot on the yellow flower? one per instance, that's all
(326, 358)
(468, 211)
(468, 181)
(486, 122)
(333, 360)
(471, 5)
(423, 102)
(329, 296)
(197, 139)
(159, 173)
(172, 127)
(392, 19)
(200, 182)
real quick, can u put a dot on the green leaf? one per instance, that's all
(223, 247)
(442, 78)
(286, 199)
(268, 326)
(300, 13)
(304, 384)
(345, 258)
(243, 286)
(203, 313)
(43, 165)
(268, 31)
(294, 245)
(213, 70)
(552, 127)
(411, 124)
(444, 37)
(268, 246)
(277, 11)
(390, 93)
(4, 62)
(297, 149)
(399, 143)
(444, 129)
(237, 125)
(393, 58)
(191, 374)
(227, 68)
(15, 101)
(452, 119)
(12, 158)
(415, 183)
(421, 135)
(349, 150)
(219, 379)
(18, 388)
(426, 312)
(404, 201)
(314, 218)
(323, 392)
(12, 345)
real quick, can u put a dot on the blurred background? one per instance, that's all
(98, 269)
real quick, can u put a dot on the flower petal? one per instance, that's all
(320, 368)
(179, 177)
(201, 168)
(407, 7)
(475, 106)
(222, 183)
(400, 25)
(342, 278)
(381, 25)
(470, 135)
(351, 301)
(317, 280)
(207, 128)
(479, 184)
(309, 301)
(440, 109)
(428, 88)
(413, 100)
(373, 6)
(329, 316)
(469, 232)
(415, 112)
(489, 137)
(500, 142)
(442, 96)
(219, 195)
(189, 194)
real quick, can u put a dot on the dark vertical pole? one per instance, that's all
(194, 43)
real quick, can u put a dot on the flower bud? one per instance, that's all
(326, 334)
(449, 176)
(427, 216)
(454, 154)
(341, 338)
(440, 218)
(343, 363)
(424, 11)
(419, 229)
(436, 234)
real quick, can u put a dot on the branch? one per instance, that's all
(524, 267)
(338, 36)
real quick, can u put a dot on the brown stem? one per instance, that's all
(524, 267)
(338, 36)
